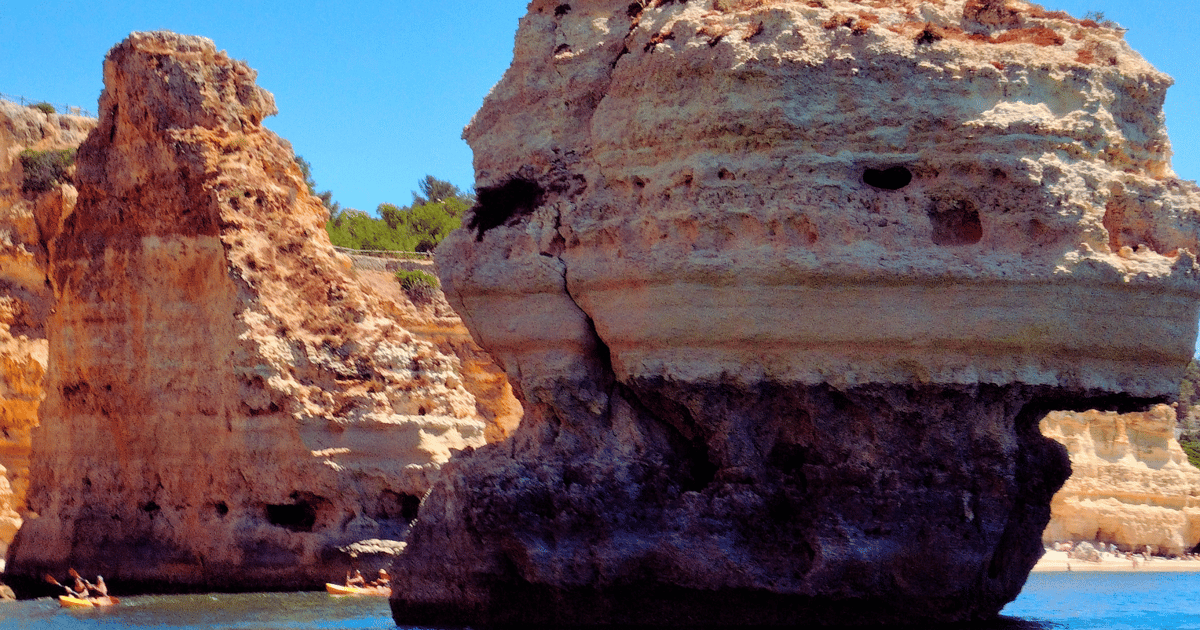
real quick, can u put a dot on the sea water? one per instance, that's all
(1140, 600)
(245, 611)
(1050, 601)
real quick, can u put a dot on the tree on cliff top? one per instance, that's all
(437, 210)
(1187, 412)
(435, 190)
(326, 197)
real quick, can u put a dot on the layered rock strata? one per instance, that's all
(1131, 483)
(226, 405)
(784, 289)
(434, 321)
(29, 218)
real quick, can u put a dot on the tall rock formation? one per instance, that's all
(29, 214)
(785, 288)
(225, 405)
(1131, 483)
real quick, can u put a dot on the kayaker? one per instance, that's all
(80, 594)
(358, 579)
(384, 580)
(99, 589)
(81, 587)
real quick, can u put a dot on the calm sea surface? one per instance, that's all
(1109, 601)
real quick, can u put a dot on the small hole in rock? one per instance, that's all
(893, 178)
(955, 222)
(296, 517)
(562, 10)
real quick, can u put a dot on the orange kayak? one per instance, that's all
(66, 601)
(338, 589)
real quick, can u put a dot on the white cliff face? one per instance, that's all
(1131, 483)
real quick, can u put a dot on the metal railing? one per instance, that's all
(385, 253)
(61, 108)
(389, 261)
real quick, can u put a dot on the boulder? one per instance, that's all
(784, 289)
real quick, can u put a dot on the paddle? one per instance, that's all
(50, 579)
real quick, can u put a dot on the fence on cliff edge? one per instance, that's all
(388, 260)
(61, 108)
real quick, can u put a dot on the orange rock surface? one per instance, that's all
(226, 404)
(28, 220)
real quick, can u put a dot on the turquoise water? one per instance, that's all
(1071, 601)
(1112, 601)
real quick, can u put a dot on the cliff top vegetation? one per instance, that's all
(437, 208)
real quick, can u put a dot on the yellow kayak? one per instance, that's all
(66, 601)
(338, 589)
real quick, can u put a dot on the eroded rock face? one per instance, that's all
(434, 321)
(1131, 483)
(226, 406)
(784, 289)
(28, 221)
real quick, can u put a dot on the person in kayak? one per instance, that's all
(384, 580)
(81, 587)
(99, 589)
(81, 594)
(358, 579)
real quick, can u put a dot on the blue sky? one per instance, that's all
(375, 94)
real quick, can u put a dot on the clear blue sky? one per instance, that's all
(375, 94)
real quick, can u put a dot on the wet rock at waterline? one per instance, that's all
(785, 288)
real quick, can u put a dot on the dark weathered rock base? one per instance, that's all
(717, 504)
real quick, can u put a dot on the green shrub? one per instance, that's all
(45, 108)
(45, 169)
(1190, 442)
(419, 285)
(417, 228)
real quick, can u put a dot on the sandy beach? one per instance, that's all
(1058, 561)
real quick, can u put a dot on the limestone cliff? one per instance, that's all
(226, 405)
(784, 289)
(435, 322)
(28, 219)
(1131, 483)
